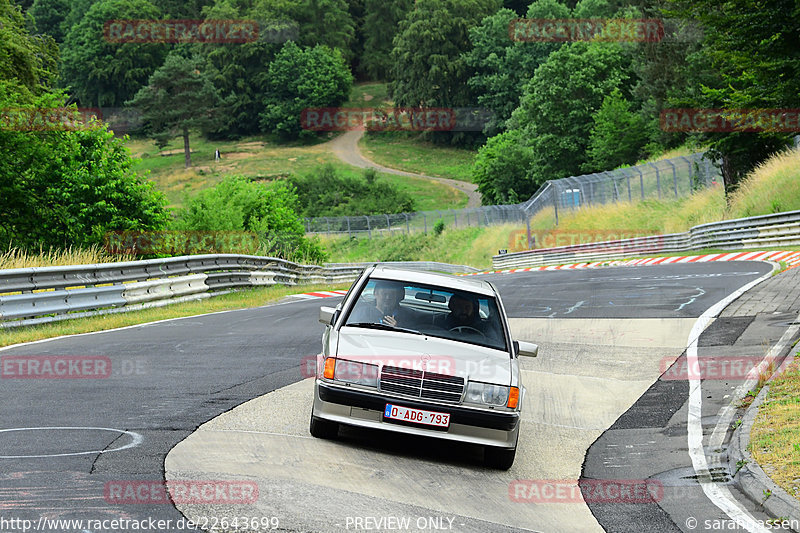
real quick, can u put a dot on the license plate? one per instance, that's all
(416, 416)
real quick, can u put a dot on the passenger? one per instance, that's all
(386, 310)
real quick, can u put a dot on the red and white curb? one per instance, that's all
(792, 259)
(319, 294)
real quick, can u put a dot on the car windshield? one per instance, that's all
(435, 311)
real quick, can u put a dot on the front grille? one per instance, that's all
(421, 384)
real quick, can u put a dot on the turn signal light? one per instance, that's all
(330, 368)
(513, 397)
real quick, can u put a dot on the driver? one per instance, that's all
(463, 312)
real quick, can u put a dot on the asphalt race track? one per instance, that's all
(595, 408)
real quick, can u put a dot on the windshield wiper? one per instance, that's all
(387, 327)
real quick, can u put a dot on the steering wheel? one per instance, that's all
(461, 329)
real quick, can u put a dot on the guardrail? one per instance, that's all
(45, 294)
(779, 229)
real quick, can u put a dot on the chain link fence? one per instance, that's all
(668, 178)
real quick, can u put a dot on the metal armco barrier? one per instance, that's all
(52, 293)
(779, 229)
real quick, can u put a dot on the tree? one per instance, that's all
(559, 102)
(26, 62)
(104, 73)
(238, 204)
(323, 22)
(380, 26)
(177, 99)
(428, 64)
(49, 16)
(238, 72)
(302, 78)
(501, 169)
(69, 188)
(502, 66)
(617, 137)
(754, 50)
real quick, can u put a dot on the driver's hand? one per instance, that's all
(390, 320)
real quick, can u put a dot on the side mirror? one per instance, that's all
(527, 349)
(326, 315)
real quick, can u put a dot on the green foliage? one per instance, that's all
(618, 135)
(502, 66)
(68, 188)
(438, 227)
(302, 78)
(428, 68)
(238, 72)
(238, 204)
(26, 62)
(752, 49)
(501, 169)
(103, 73)
(49, 16)
(560, 100)
(326, 193)
(380, 26)
(321, 22)
(177, 98)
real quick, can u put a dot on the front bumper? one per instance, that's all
(365, 409)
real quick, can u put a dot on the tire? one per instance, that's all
(323, 429)
(499, 458)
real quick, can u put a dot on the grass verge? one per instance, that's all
(461, 246)
(237, 300)
(775, 437)
(413, 155)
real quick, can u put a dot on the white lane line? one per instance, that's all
(136, 440)
(718, 495)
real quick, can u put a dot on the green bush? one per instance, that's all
(270, 211)
(325, 192)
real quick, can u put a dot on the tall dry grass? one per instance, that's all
(17, 258)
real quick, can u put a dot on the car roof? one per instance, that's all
(433, 278)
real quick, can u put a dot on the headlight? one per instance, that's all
(355, 372)
(489, 394)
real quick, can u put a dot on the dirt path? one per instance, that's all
(346, 148)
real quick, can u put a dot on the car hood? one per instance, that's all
(422, 352)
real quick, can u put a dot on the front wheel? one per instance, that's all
(323, 429)
(500, 458)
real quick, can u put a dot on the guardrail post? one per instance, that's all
(328, 224)
(388, 224)
(349, 235)
(369, 229)
(455, 218)
(408, 229)
(528, 230)
(641, 180)
(425, 222)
